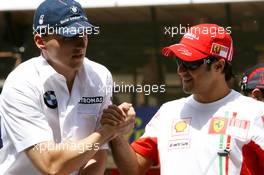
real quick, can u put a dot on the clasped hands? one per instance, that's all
(120, 119)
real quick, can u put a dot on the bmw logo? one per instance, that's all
(74, 9)
(41, 19)
(50, 99)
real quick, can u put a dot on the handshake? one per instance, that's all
(118, 120)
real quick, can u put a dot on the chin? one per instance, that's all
(76, 65)
(187, 90)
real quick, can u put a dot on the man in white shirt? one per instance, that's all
(205, 133)
(51, 105)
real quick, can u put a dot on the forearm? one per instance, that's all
(96, 165)
(124, 156)
(65, 158)
(74, 159)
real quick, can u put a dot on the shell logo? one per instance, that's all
(180, 126)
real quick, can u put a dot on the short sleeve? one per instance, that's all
(22, 116)
(147, 145)
(257, 131)
(253, 152)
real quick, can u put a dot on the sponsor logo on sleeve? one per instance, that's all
(50, 99)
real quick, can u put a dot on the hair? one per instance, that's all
(227, 68)
(228, 71)
(246, 92)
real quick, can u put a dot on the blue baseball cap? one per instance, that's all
(62, 17)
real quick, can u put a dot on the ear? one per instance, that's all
(219, 65)
(257, 94)
(40, 43)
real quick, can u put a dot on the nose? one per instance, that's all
(181, 69)
(81, 41)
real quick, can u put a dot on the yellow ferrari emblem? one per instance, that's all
(218, 124)
(216, 49)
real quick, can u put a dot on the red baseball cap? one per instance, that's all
(201, 41)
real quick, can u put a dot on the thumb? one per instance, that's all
(125, 106)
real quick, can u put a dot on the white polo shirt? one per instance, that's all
(190, 138)
(37, 107)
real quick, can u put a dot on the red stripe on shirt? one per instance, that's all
(227, 157)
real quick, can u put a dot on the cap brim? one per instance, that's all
(76, 28)
(183, 52)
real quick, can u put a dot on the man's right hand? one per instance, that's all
(119, 119)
